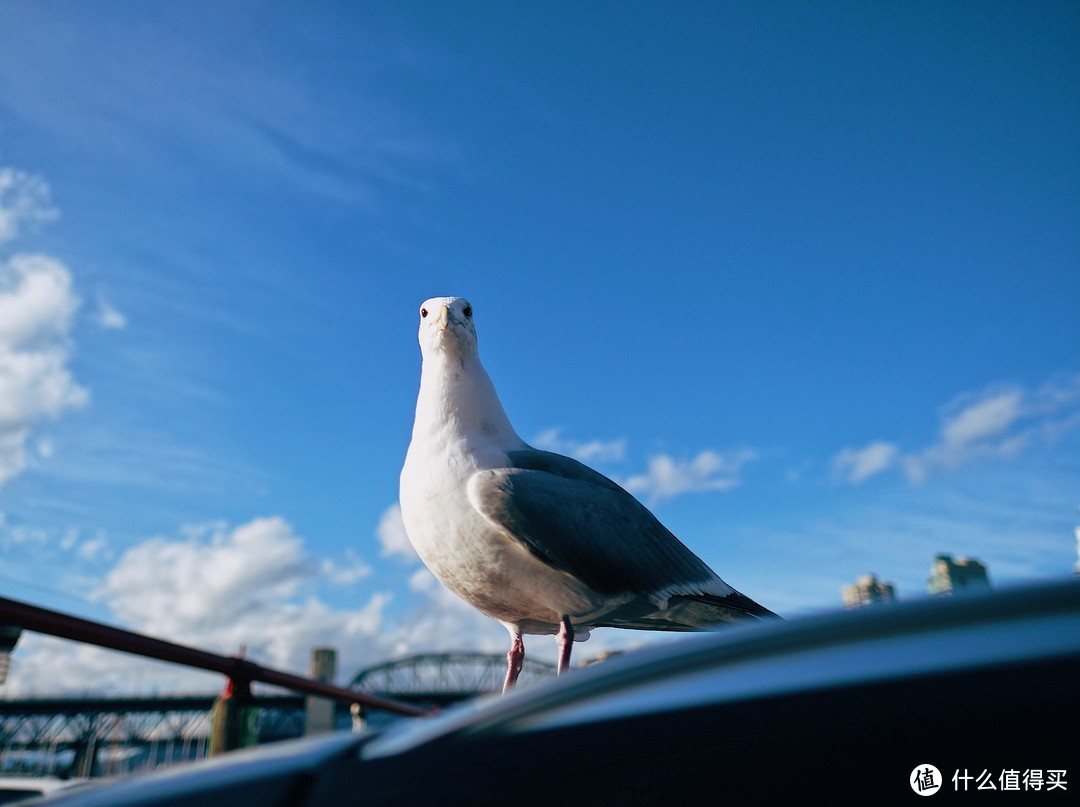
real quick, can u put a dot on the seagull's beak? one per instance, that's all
(442, 319)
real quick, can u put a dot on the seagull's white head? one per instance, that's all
(446, 328)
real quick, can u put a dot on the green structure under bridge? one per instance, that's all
(93, 736)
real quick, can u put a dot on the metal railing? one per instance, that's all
(241, 672)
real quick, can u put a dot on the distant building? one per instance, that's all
(868, 590)
(1076, 532)
(960, 576)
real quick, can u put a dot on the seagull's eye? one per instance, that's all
(468, 311)
(423, 312)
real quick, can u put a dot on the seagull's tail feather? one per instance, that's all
(685, 612)
(730, 606)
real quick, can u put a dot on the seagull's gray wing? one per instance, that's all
(580, 522)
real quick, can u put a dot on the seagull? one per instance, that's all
(538, 541)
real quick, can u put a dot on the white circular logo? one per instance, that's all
(925, 780)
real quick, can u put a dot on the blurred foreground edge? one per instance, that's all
(846, 704)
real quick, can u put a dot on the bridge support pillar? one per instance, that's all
(319, 712)
(232, 723)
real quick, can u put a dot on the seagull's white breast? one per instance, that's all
(472, 557)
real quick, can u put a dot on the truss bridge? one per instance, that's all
(91, 736)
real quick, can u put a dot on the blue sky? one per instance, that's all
(801, 276)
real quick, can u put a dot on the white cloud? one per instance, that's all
(592, 451)
(709, 470)
(36, 307)
(218, 588)
(855, 465)
(24, 199)
(43, 665)
(442, 621)
(392, 535)
(185, 588)
(37, 304)
(422, 580)
(347, 571)
(36, 301)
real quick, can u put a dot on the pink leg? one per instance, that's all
(565, 641)
(514, 659)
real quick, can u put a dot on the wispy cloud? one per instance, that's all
(591, 451)
(667, 477)
(37, 303)
(265, 122)
(997, 423)
(109, 316)
(855, 465)
(973, 427)
(24, 199)
(392, 536)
